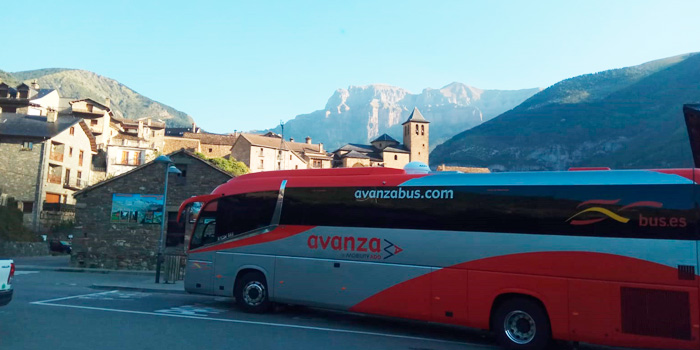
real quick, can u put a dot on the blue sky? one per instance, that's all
(247, 65)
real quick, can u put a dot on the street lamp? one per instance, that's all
(169, 169)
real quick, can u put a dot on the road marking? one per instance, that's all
(192, 310)
(73, 297)
(17, 273)
(257, 323)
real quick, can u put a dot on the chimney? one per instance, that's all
(108, 102)
(149, 121)
(140, 132)
(308, 140)
(51, 116)
(291, 139)
(194, 128)
(34, 84)
(320, 147)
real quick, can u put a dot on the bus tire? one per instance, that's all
(251, 293)
(522, 324)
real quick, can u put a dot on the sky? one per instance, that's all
(243, 65)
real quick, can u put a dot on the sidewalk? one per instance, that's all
(61, 263)
(134, 280)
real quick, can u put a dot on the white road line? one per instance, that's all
(258, 323)
(73, 297)
(17, 273)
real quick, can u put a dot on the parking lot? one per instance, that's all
(62, 310)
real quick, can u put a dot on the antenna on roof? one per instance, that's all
(280, 158)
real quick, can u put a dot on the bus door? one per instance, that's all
(199, 276)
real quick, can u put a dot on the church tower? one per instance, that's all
(416, 134)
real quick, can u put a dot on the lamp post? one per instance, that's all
(169, 169)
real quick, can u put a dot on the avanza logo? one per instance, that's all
(600, 213)
(355, 247)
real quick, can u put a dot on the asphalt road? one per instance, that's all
(60, 310)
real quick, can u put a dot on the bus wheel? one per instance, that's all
(522, 324)
(251, 293)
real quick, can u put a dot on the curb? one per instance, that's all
(138, 289)
(85, 270)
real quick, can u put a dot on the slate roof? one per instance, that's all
(13, 124)
(356, 147)
(416, 117)
(355, 154)
(397, 149)
(34, 126)
(42, 92)
(384, 137)
(310, 150)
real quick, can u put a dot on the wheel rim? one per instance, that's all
(519, 327)
(254, 293)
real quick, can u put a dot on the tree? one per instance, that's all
(230, 165)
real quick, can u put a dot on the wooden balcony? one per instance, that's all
(55, 156)
(54, 179)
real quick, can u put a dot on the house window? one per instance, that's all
(80, 158)
(210, 150)
(66, 181)
(93, 122)
(27, 146)
(70, 151)
(318, 164)
(27, 207)
(296, 167)
(261, 164)
(422, 129)
(261, 152)
(182, 177)
(125, 158)
(72, 130)
(78, 180)
(290, 157)
(396, 157)
(416, 129)
(89, 107)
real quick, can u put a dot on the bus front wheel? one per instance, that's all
(251, 293)
(522, 324)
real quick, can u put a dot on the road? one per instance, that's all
(60, 310)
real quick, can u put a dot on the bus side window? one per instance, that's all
(205, 229)
(243, 213)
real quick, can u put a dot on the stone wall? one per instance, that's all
(173, 144)
(100, 243)
(19, 168)
(17, 249)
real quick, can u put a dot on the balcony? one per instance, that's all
(74, 185)
(56, 207)
(55, 156)
(54, 179)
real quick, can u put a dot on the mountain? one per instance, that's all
(358, 114)
(623, 118)
(125, 102)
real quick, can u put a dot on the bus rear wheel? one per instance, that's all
(251, 293)
(522, 324)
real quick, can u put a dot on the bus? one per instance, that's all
(598, 256)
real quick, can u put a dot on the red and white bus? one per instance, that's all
(604, 256)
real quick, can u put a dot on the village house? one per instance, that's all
(211, 145)
(271, 152)
(29, 100)
(385, 151)
(118, 220)
(43, 161)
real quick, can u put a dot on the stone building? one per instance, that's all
(118, 220)
(211, 145)
(385, 151)
(270, 152)
(29, 100)
(43, 161)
